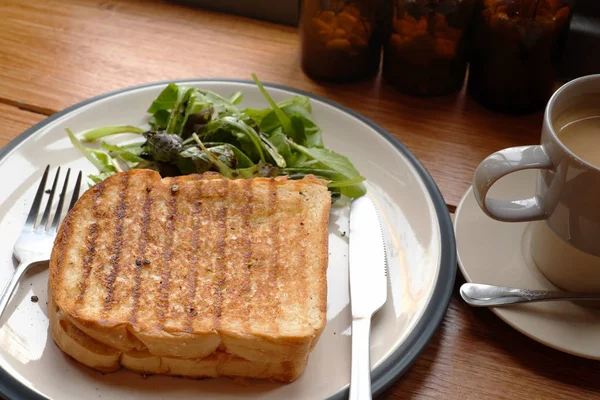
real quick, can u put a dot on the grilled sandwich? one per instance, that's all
(159, 272)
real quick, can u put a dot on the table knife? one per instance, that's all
(368, 288)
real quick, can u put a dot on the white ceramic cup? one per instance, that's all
(566, 243)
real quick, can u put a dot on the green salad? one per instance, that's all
(195, 131)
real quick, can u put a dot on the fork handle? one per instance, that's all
(360, 375)
(12, 284)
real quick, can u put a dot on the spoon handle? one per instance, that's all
(480, 295)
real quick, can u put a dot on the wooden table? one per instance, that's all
(56, 53)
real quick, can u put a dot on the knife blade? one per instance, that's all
(368, 288)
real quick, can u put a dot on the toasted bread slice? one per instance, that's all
(80, 346)
(99, 356)
(183, 267)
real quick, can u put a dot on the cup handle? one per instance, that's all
(503, 163)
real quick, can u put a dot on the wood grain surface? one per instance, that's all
(476, 356)
(56, 53)
(14, 121)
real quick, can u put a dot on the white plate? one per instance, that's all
(497, 253)
(419, 240)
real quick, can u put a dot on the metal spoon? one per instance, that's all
(480, 295)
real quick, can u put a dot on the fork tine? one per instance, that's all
(75, 191)
(37, 201)
(46, 216)
(61, 200)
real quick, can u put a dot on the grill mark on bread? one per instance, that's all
(62, 244)
(120, 212)
(205, 291)
(90, 242)
(220, 253)
(165, 273)
(303, 234)
(247, 256)
(143, 244)
(193, 271)
(237, 258)
(274, 270)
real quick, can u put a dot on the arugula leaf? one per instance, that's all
(100, 159)
(297, 105)
(312, 133)
(328, 159)
(223, 168)
(268, 120)
(346, 183)
(159, 120)
(95, 134)
(198, 111)
(220, 103)
(305, 132)
(236, 98)
(131, 158)
(172, 100)
(299, 133)
(331, 159)
(336, 179)
(260, 169)
(181, 103)
(283, 118)
(278, 139)
(231, 155)
(192, 160)
(166, 99)
(174, 125)
(252, 115)
(327, 174)
(105, 158)
(97, 178)
(134, 148)
(245, 136)
(242, 160)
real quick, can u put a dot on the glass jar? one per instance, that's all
(516, 52)
(340, 40)
(426, 53)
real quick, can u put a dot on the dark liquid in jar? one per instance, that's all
(340, 44)
(426, 51)
(516, 50)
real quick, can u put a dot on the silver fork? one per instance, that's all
(36, 240)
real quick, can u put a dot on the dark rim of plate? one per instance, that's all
(407, 353)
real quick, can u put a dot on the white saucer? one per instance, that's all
(497, 253)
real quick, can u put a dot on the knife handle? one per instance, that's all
(360, 375)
